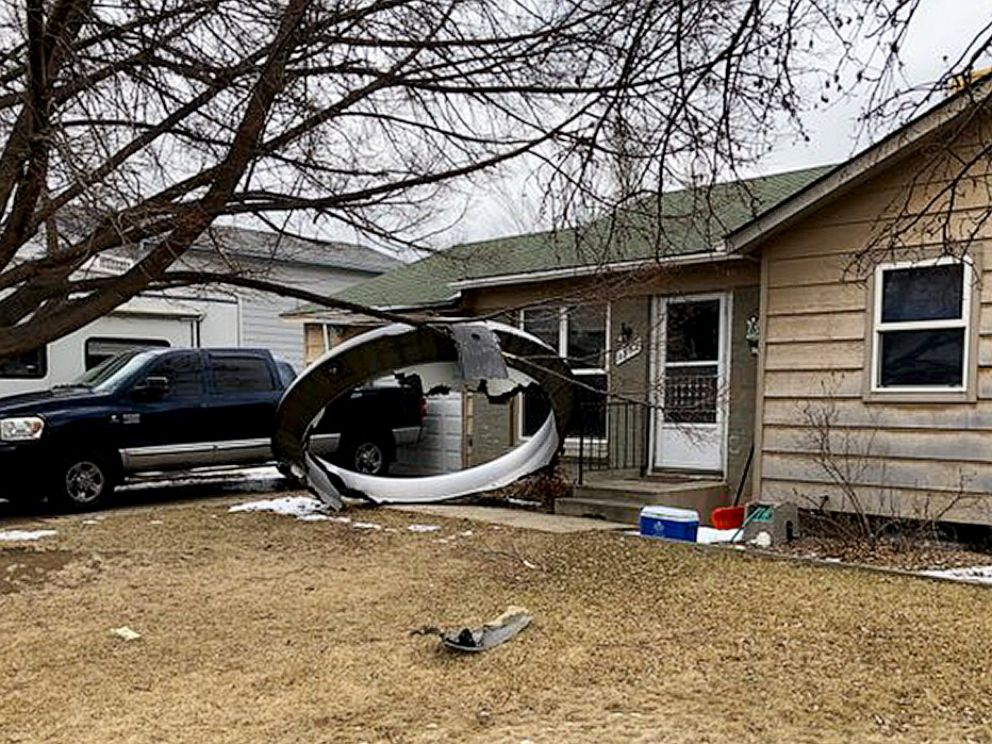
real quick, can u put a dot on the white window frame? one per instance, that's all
(964, 323)
(578, 372)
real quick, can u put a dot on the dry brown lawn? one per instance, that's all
(263, 628)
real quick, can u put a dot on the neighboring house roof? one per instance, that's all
(692, 223)
(837, 181)
(264, 245)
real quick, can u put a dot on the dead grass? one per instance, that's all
(260, 628)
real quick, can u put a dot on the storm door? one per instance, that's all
(690, 383)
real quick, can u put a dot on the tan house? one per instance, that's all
(832, 318)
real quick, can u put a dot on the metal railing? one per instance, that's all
(613, 435)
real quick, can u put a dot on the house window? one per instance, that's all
(32, 365)
(922, 313)
(578, 334)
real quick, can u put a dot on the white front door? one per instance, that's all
(690, 375)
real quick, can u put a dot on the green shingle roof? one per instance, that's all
(678, 223)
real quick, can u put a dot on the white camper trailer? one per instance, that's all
(174, 319)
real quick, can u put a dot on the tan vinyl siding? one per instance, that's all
(908, 458)
(313, 342)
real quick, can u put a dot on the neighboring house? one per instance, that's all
(315, 266)
(203, 317)
(832, 318)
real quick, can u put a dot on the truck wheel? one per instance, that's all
(367, 454)
(83, 482)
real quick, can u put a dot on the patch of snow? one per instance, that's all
(18, 535)
(156, 521)
(523, 502)
(91, 521)
(301, 507)
(424, 527)
(466, 533)
(710, 535)
(366, 526)
(968, 574)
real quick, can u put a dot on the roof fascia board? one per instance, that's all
(328, 314)
(526, 277)
(858, 169)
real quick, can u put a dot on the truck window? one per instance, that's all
(99, 349)
(184, 371)
(241, 373)
(32, 365)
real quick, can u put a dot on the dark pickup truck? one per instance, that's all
(160, 410)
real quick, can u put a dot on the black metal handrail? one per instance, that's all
(613, 435)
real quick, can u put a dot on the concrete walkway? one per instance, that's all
(527, 520)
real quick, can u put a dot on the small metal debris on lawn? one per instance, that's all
(126, 633)
(485, 637)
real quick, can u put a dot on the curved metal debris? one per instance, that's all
(398, 346)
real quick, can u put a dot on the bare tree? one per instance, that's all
(134, 123)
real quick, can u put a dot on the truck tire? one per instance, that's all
(83, 482)
(369, 454)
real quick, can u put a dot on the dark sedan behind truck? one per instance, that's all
(161, 410)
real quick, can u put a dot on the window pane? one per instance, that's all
(692, 331)
(32, 365)
(543, 323)
(241, 374)
(99, 350)
(690, 394)
(184, 373)
(924, 293)
(922, 358)
(589, 418)
(587, 337)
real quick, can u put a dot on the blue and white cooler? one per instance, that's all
(669, 523)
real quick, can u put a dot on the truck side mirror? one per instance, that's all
(151, 388)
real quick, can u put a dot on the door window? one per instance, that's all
(241, 373)
(184, 371)
(692, 356)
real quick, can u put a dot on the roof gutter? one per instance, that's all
(331, 313)
(703, 257)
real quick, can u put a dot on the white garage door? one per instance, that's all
(440, 446)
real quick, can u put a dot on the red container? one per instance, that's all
(727, 517)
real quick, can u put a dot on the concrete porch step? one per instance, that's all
(625, 512)
(621, 499)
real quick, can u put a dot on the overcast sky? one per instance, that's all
(512, 206)
(941, 27)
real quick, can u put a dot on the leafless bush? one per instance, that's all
(869, 510)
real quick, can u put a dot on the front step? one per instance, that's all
(621, 500)
(624, 512)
